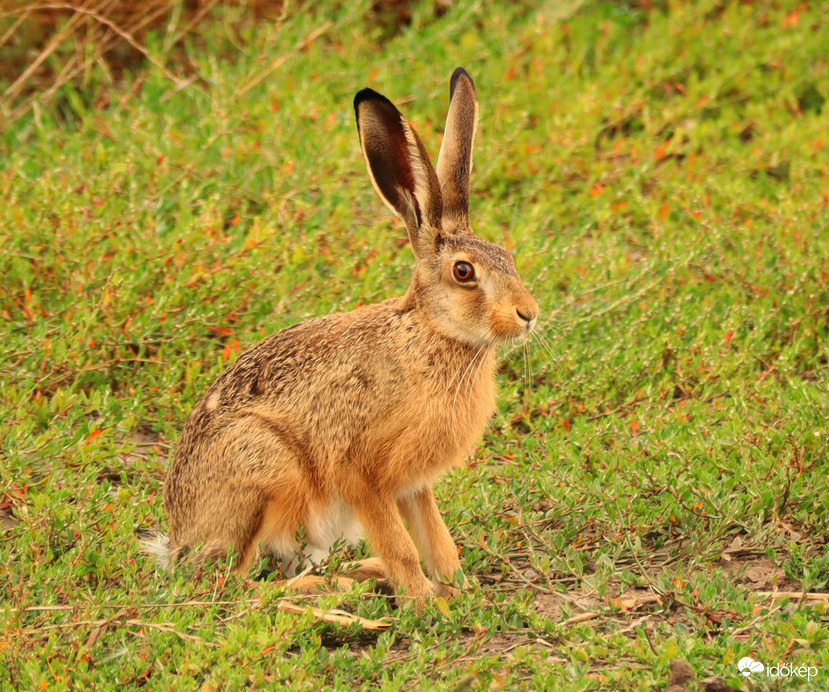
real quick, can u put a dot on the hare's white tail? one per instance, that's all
(158, 545)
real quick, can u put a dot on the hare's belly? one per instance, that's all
(327, 525)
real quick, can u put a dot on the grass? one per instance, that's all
(658, 462)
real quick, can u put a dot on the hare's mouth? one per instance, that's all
(509, 328)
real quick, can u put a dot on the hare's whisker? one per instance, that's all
(455, 377)
(547, 346)
(528, 372)
(460, 383)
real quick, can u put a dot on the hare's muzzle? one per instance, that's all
(527, 312)
(528, 316)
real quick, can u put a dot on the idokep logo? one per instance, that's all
(748, 665)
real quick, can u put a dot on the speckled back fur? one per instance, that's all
(340, 425)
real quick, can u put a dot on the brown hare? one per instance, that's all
(342, 424)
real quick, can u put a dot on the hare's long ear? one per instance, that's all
(399, 168)
(455, 157)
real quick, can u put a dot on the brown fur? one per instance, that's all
(342, 424)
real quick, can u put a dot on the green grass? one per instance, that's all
(662, 177)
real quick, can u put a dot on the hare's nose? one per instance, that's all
(527, 314)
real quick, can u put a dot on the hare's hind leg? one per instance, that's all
(432, 538)
(245, 488)
(221, 533)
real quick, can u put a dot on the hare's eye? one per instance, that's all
(463, 272)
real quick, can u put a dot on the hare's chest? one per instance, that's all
(468, 411)
(458, 411)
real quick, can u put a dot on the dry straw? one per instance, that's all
(46, 45)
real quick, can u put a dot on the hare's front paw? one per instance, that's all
(415, 596)
(453, 586)
(447, 591)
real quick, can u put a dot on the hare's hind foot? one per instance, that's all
(358, 571)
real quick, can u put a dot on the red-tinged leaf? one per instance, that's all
(596, 190)
(226, 352)
(95, 433)
(91, 343)
(234, 344)
(664, 211)
(224, 331)
(567, 425)
(662, 150)
(27, 295)
(728, 336)
(108, 507)
(634, 426)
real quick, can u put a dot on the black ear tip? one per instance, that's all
(369, 95)
(365, 95)
(456, 75)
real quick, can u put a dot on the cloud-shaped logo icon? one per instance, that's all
(748, 665)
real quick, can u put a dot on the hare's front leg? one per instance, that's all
(432, 539)
(391, 542)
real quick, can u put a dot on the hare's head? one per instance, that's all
(468, 288)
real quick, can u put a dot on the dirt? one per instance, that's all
(7, 520)
(759, 573)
